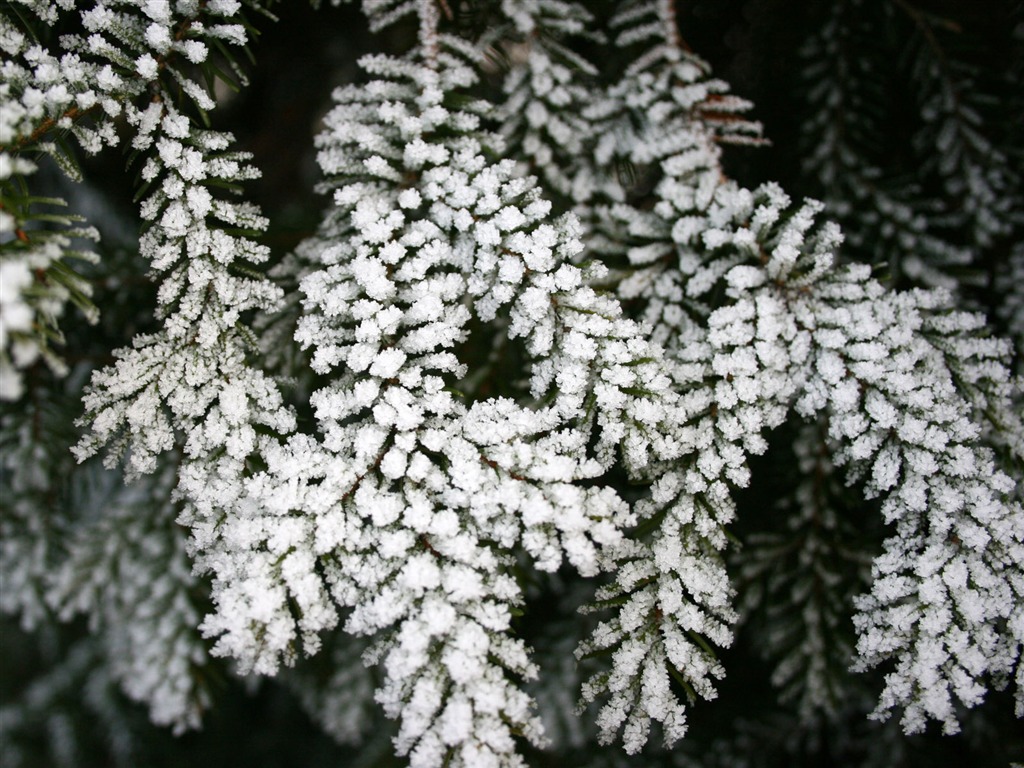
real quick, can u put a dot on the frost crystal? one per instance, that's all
(531, 342)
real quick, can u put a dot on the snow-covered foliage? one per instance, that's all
(539, 333)
(36, 280)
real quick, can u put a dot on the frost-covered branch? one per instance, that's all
(468, 381)
(740, 287)
(407, 505)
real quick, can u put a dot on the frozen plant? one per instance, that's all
(535, 349)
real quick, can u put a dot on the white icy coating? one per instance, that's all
(35, 282)
(81, 92)
(400, 513)
(944, 604)
(547, 94)
(406, 506)
(901, 377)
(169, 379)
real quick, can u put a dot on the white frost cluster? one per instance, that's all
(947, 593)
(408, 505)
(36, 282)
(171, 379)
(543, 113)
(168, 379)
(194, 369)
(430, 475)
(945, 596)
(35, 287)
(797, 333)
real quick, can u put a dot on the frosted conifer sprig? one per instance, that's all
(198, 242)
(546, 93)
(665, 119)
(37, 278)
(938, 207)
(738, 369)
(946, 594)
(952, 507)
(704, 236)
(125, 567)
(668, 83)
(77, 540)
(671, 595)
(38, 246)
(476, 397)
(672, 598)
(954, 511)
(134, 60)
(408, 508)
(131, 61)
(137, 403)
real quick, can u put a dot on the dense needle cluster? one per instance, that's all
(547, 335)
